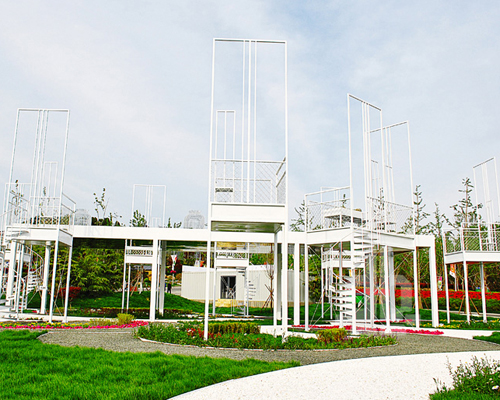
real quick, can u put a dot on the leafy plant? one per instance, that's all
(334, 335)
(124, 319)
(479, 376)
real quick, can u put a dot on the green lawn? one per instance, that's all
(33, 370)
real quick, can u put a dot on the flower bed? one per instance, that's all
(68, 325)
(192, 334)
(364, 329)
(473, 325)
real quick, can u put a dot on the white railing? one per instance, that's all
(138, 251)
(481, 237)
(43, 211)
(330, 209)
(385, 216)
(231, 255)
(251, 182)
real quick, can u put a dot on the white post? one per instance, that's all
(392, 285)
(161, 303)
(128, 286)
(125, 269)
(284, 282)
(447, 294)
(306, 288)
(18, 280)
(12, 269)
(46, 270)
(68, 277)
(387, 290)
(372, 290)
(275, 281)
(483, 294)
(466, 281)
(154, 282)
(214, 286)
(416, 287)
(296, 284)
(207, 288)
(54, 270)
(433, 279)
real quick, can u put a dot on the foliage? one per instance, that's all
(175, 225)
(464, 212)
(332, 335)
(97, 271)
(101, 206)
(74, 291)
(233, 327)
(495, 336)
(138, 219)
(192, 333)
(33, 370)
(479, 376)
(103, 322)
(124, 319)
(298, 224)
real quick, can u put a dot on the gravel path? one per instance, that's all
(123, 340)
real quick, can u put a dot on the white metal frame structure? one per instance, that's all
(38, 212)
(476, 241)
(349, 239)
(246, 194)
(153, 219)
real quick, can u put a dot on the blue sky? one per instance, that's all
(136, 77)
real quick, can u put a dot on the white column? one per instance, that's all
(433, 279)
(278, 277)
(20, 265)
(154, 282)
(53, 288)
(466, 281)
(46, 270)
(371, 268)
(161, 303)
(124, 283)
(447, 293)
(483, 294)
(12, 269)
(387, 290)
(284, 282)
(416, 287)
(296, 284)
(207, 287)
(392, 285)
(128, 286)
(275, 281)
(306, 287)
(68, 277)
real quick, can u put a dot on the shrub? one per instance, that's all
(233, 327)
(124, 319)
(102, 322)
(478, 376)
(334, 335)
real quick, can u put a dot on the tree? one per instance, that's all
(175, 225)
(97, 271)
(101, 206)
(464, 212)
(298, 224)
(138, 219)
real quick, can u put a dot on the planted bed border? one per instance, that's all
(278, 350)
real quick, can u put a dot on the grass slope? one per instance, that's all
(33, 370)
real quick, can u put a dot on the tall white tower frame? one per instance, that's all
(248, 182)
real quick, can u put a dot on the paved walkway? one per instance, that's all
(393, 377)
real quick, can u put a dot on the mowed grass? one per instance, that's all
(30, 369)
